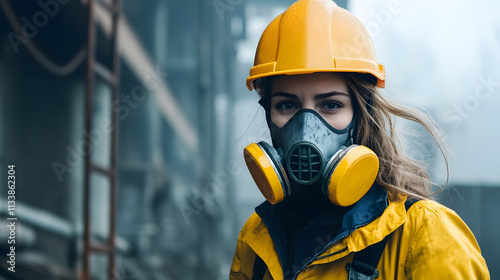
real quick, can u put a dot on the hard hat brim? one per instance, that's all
(379, 75)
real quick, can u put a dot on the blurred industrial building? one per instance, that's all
(127, 134)
(177, 60)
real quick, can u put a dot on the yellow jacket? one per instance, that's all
(429, 241)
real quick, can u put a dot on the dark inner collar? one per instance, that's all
(304, 224)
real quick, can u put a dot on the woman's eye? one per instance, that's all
(331, 105)
(285, 106)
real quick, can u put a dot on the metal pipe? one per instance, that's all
(88, 126)
(114, 137)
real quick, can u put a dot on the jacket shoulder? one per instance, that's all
(244, 256)
(441, 245)
(430, 205)
(253, 222)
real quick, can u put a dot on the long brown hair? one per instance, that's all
(398, 173)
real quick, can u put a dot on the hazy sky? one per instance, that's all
(443, 57)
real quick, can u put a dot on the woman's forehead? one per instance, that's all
(310, 83)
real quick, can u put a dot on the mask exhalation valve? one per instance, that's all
(305, 163)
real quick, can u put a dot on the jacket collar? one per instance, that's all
(367, 222)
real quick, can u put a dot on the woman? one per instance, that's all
(343, 201)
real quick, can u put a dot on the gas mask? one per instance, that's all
(309, 152)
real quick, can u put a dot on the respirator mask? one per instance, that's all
(308, 152)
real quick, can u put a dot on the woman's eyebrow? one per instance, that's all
(285, 94)
(328, 94)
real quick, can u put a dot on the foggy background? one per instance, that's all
(184, 116)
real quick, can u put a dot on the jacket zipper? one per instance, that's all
(333, 242)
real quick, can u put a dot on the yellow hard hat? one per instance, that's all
(315, 36)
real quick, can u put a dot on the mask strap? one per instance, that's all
(352, 131)
(350, 138)
(263, 102)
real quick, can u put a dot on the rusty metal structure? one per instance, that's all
(119, 117)
(112, 78)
